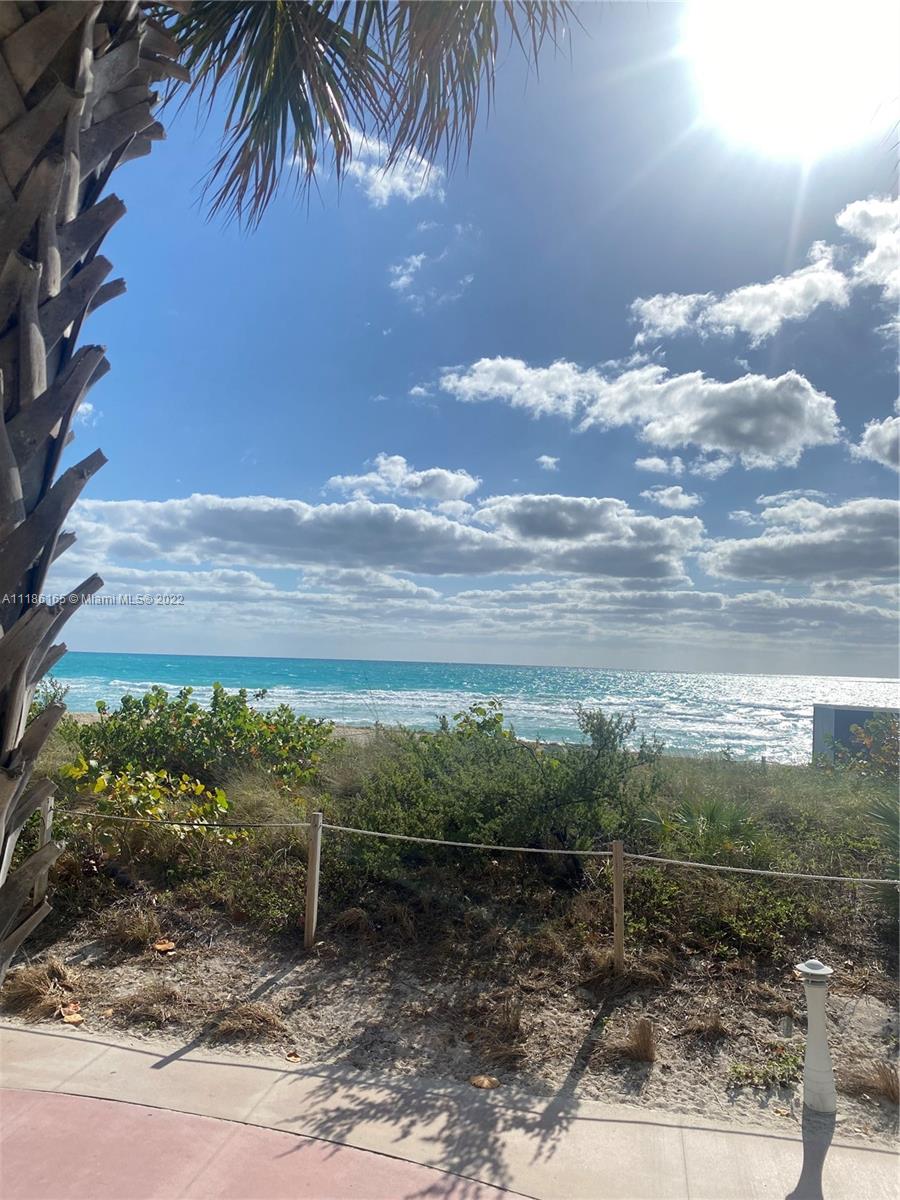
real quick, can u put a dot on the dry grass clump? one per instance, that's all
(872, 1079)
(638, 1043)
(354, 921)
(250, 1022)
(589, 909)
(396, 919)
(548, 943)
(255, 797)
(652, 970)
(498, 1035)
(155, 1003)
(768, 1002)
(39, 989)
(493, 938)
(707, 1027)
(132, 928)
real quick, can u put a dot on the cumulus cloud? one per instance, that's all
(672, 497)
(876, 222)
(459, 510)
(807, 541)
(410, 178)
(393, 476)
(372, 583)
(272, 532)
(758, 310)
(880, 442)
(764, 421)
(561, 389)
(594, 570)
(547, 462)
(594, 535)
(660, 466)
(711, 468)
(511, 534)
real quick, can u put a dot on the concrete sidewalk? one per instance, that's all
(557, 1149)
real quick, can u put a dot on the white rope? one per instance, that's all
(680, 862)
(193, 824)
(405, 837)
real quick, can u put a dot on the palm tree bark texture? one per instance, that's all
(76, 100)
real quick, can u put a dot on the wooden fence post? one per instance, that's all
(618, 862)
(312, 880)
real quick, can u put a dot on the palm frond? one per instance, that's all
(303, 82)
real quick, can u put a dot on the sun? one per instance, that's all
(796, 79)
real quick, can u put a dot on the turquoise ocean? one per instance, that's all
(750, 715)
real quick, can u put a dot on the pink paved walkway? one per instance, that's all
(58, 1147)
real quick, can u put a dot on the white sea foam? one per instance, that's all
(752, 715)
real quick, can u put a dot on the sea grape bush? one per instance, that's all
(178, 735)
(148, 796)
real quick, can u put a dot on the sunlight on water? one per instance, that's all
(750, 715)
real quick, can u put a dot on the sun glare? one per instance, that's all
(796, 79)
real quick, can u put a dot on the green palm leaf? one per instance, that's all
(301, 78)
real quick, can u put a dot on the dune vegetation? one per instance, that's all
(157, 757)
(509, 931)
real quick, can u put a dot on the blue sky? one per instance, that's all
(535, 411)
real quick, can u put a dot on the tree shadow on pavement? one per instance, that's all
(465, 1133)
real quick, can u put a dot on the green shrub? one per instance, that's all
(147, 796)
(177, 735)
(474, 781)
(48, 691)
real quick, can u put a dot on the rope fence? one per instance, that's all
(426, 841)
(317, 826)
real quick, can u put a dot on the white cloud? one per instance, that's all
(595, 535)
(547, 462)
(667, 313)
(876, 221)
(409, 178)
(560, 389)
(373, 583)
(403, 273)
(765, 422)
(660, 466)
(419, 391)
(601, 538)
(779, 498)
(672, 497)
(759, 309)
(806, 541)
(711, 468)
(266, 531)
(599, 576)
(743, 517)
(458, 510)
(393, 476)
(880, 442)
(87, 414)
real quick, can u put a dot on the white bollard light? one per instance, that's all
(818, 1073)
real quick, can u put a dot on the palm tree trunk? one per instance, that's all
(75, 101)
